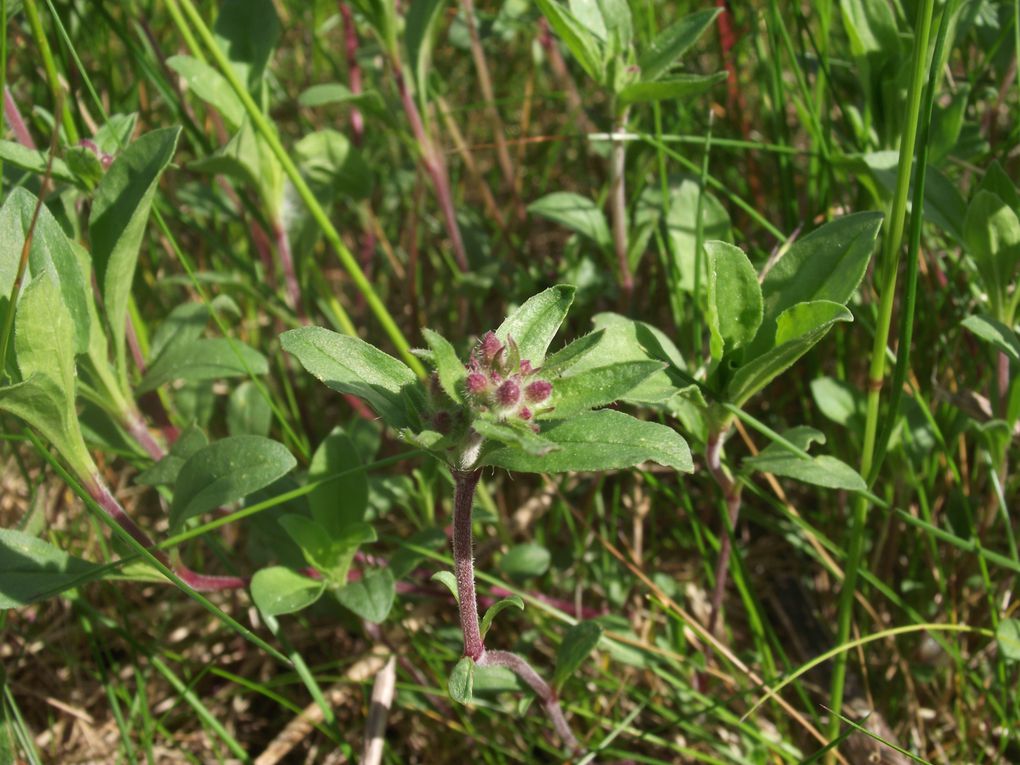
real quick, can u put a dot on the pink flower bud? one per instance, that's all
(490, 346)
(526, 367)
(538, 391)
(509, 393)
(476, 383)
(525, 413)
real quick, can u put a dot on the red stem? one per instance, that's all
(17, 124)
(353, 70)
(465, 483)
(287, 262)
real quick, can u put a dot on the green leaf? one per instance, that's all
(871, 27)
(44, 349)
(448, 580)
(34, 161)
(826, 265)
(676, 87)
(602, 440)
(349, 365)
(996, 181)
(943, 204)
(120, 211)
(575, 212)
(343, 501)
(1007, 635)
(248, 159)
(525, 560)
(247, 31)
(337, 93)
(495, 608)
(371, 597)
(820, 470)
(838, 401)
(670, 44)
(419, 28)
(51, 252)
(186, 323)
(996, 333)
(570, 354)
(462, 678)
(449, 367)
(598, 387)
(330, 554)
(211, 86)
(203, 359)
(279, 590)
(32, 570)
(226, 471)
(248, 412)
(535, 323)
(329, 162)
(165, 472)
(734, 298)
(685, 200)
(992, 234)
(577, 644)
(799, 328)
(520, 436)
(581, 43)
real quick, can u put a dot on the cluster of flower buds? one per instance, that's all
(501, 382)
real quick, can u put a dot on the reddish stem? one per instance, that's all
(731, 493)
(17, 124)
(465, 482)
(353, 70)
(287, 262)
(435, 166)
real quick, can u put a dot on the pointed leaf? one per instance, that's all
(419, 27)
(227, 471)
(493, 611)
(248, 412)
(734, 298)
(32, 569)
(799, 328)
(211, 86)
(602, 440)
(165, 472)
(577, 644)
(51, 251)
(461, 683)
(349, 365)
(676, 87)
(34, 161)
(521, 437)
(996, 333)
(371, 597)
(449, 581)
(598, 387)
(575, 212)
(581, 43)
(449, 367)
(203, 359)
(992, 235)
(570, 354)
(525, 560)
(279, 590)
(535, 323)
(670, 44)
(1007, 635)
(819, 470)
(120, 211)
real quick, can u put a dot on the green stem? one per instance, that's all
(889, 267)
(52, 77)
(266, 131)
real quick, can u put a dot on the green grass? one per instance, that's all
(135, 671)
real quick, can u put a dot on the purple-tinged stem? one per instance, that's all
(353, 70)
(18, 126)
(465, 482)
(287, 261)
(520, 667)
(731, 493)
(200, 582)
(136, 348)
(140, 432)
(435, 166)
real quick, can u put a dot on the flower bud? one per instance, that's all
(509, 393)
(538, 391)
(476, 383)
(490, 347)
(526, 368)
(525, 413)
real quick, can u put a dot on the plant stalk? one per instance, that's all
(353, 70)
(618, 209)
(876, 375)
(731, 494)
(465, 484)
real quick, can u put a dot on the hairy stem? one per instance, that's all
(465, 483)
(731, 493)
(200, 582)
(520, 667)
